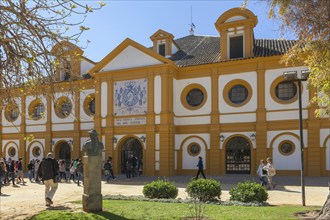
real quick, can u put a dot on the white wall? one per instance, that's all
(286, 162)
(43, 119)
(180, 85)
(85, 66)
(188, 161)
(83, 116)
(158, 94)
(270, 76)
(104, 99)
(14, 143)
(251, 106)
(36, 143)
(192, 120)
(71, 116)
(130, 58)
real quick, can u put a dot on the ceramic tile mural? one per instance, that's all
(130, 97)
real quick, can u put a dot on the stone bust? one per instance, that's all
(93, 146)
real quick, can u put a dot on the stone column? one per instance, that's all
(92, 197)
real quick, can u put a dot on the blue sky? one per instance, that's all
(138, 20)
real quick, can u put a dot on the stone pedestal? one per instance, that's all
(92, 197)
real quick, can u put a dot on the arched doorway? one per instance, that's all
(131, 146)
(238, 156)
(64, 153)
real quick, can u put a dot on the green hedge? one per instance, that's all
(248, 192)
(160, 189)
(204, 189)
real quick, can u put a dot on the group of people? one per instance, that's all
(11, 171)
(266, 171)
(48, 172)
(132, 167)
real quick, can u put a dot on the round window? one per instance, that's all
(36, 109)
(194, 149)
(193, 96)
(238, 94)
(12, 152)
(36, 151)
(89, 105)
(11, 112)
(63, 107)
(286, 147)
(286, 90)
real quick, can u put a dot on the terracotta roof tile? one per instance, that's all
(198, 50)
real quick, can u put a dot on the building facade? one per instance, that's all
(222, 98)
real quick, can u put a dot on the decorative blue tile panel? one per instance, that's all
(130, 97)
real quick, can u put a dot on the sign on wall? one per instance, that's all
(130, 97)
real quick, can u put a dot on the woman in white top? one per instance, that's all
(270, 173)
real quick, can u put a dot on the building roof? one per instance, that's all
(198, 50)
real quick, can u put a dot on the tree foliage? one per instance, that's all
(310, 21)
(29, 29)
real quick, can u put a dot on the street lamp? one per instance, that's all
(293, 77)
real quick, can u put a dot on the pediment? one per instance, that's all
(129, 54)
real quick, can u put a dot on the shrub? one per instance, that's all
(204, 189)
(160, 189)
(248, 192)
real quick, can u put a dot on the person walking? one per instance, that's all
(270, 173)
(200, 168)
(48, 170)
(262, 173)
(30, 168)
(80, 172)
(3, 172)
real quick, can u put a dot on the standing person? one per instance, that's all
(30, 168)
(48, 170)
(3, 172)
(72, 172)
(62, 170)
(262, 173)
(20, 173)
(270, 173)
(36, 166)
(11, 171)
(129, 165)
(80, 172)
(108, 170)
(200, 168)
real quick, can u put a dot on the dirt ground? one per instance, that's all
(27, 200)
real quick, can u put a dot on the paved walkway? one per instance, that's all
(28, 199)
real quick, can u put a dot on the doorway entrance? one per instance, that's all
(132, 146)
(64, 153)
(238, 156)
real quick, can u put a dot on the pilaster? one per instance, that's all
(166, 127)
(213, 164)
(150, 130)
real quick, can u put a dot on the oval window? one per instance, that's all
(89, 105)
(12, 152)
(286, 90)
(36, 151)
(63, 107)
(194, 149)
(11, 112)
(238, 94)
(286, 147)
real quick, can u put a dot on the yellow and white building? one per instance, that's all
(222, 98)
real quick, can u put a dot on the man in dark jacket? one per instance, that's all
(200, 168)
(48, 170)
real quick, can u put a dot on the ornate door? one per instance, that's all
(65, 153)
(238, 156)
(131, 146)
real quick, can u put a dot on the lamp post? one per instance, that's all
(293, 77)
